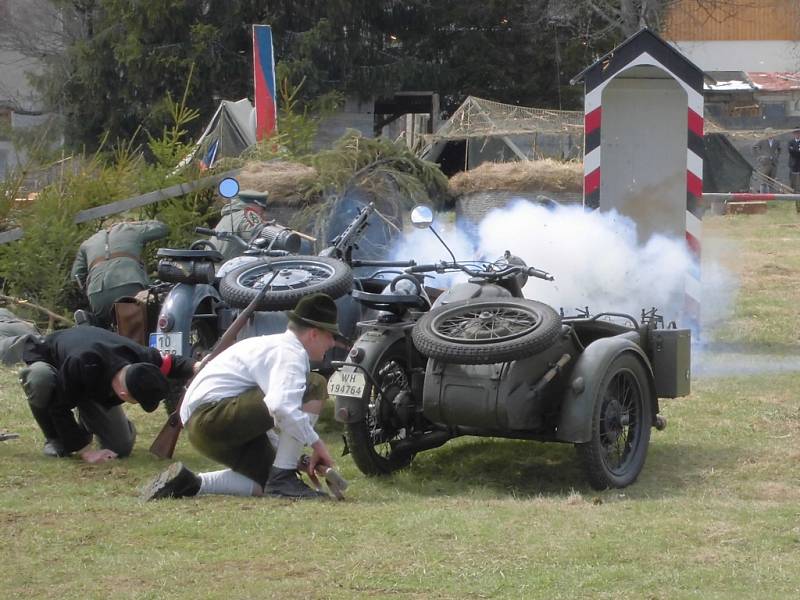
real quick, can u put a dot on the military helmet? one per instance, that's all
(254, 197)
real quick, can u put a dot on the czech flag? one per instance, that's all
(264, 79)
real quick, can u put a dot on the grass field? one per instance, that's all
(715, 513)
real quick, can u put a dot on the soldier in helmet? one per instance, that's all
(109, 264)
(243, 215)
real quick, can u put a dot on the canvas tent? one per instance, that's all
(483, 130)
(724, 167)
(230, 131)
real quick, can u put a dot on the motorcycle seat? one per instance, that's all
(181, 254)
(394, 303)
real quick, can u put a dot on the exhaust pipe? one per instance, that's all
(426, 442)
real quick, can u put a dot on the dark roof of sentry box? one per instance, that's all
(643, 40)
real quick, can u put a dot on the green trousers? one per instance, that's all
(233, 431)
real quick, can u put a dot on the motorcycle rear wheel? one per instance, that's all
(482, 332)
(299, 276)
(370, 440)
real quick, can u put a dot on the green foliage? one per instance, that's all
(298, 122)
(374, 163)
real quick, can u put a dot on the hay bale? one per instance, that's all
(546, 175)
(471, 208)
(285, 181)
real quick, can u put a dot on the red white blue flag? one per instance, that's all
(264, 80)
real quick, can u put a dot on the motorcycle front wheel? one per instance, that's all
(371, 439)
(297, 276)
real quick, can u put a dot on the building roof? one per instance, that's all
(727, 81)
(775, 82)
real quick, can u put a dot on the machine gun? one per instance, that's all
(342, 245)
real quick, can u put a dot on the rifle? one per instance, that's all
(164, 444)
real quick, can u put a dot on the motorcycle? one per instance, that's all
(483, 360)
(205, 299)
(194, 313)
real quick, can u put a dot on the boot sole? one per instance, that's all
(151, 491)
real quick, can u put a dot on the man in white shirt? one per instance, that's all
(256, 386)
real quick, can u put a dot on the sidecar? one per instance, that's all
(594, 381)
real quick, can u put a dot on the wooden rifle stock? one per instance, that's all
(163, 445)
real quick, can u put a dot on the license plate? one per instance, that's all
(347, 383)
(167, 343)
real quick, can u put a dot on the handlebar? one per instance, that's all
(382, 263)
(443, 266)
(205, 231)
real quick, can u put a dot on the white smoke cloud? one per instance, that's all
(595, 257)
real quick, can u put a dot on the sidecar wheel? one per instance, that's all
(621, 422)
(298, 276)
(371, 440)
(481, 332)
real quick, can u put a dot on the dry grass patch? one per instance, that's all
(284, 180)
(521, 176)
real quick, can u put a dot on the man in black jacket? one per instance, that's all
(95, 371)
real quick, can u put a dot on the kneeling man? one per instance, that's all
(257, 385)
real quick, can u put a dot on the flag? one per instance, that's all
(264, 81)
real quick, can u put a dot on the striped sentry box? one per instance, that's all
(645, 48)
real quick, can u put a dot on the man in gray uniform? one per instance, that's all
(14, 332)
(109, 264)
(243, 215)
(767, 153)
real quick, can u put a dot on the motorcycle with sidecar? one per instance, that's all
(206, 296)
(481, 359)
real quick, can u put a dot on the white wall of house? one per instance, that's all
(767, 56)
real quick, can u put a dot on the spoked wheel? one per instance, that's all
(297, 276)
(486, 331)
(621, 422)
(371, 441)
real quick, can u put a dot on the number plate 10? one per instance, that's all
(167, 343)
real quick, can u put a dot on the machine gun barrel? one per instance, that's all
(342, 242)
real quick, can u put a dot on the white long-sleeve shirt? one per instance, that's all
(278, 364)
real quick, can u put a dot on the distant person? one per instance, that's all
(14, 332)
(243, 215)
(94, 371)
(109, 264)
(767, 153)
(794, 165)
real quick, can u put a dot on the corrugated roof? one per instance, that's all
(775, 82)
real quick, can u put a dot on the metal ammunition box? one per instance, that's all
(670, 351)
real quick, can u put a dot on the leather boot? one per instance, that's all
(286, 483)
(176, 482)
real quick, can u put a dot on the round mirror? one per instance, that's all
(228, 187)
(421, 216)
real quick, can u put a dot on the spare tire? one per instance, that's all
(481, 332)
(298, 276)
